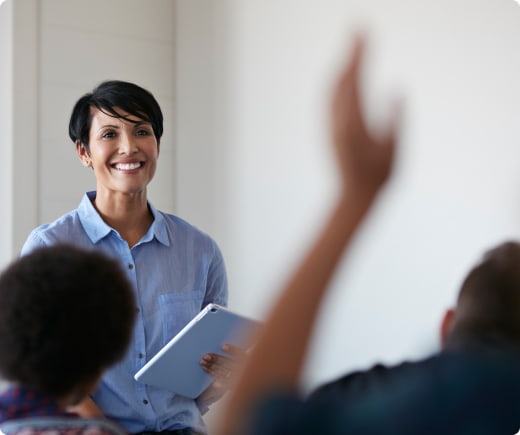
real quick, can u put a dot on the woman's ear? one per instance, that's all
(446, 325)
(83, 154)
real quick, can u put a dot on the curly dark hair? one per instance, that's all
(66, 315)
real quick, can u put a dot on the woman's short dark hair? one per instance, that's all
(66, 315)
(106, 97)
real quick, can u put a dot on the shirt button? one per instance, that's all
(145, 402)
(130, 266)
(137, 309)
(140, 355)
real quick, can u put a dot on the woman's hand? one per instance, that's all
(223, 369)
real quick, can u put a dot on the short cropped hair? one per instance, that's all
(488, 306)
(106, 97)
(65, 316)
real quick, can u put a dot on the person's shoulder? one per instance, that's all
(66, 220)
(351, 383)
(485, 369)
(372, 380)
(180, 232)
(62, 228)
(181, 226)
(173, 219)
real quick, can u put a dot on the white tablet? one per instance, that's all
(176, 367)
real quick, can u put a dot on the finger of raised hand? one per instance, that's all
(364, 156)
(348, 124)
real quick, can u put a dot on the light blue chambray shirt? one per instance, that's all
(175, 270)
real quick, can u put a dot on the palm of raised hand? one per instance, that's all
(365, 158)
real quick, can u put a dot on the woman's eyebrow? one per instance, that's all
(107, 125)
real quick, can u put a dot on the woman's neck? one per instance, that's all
(129, 215)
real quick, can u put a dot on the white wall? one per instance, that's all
(456, 64)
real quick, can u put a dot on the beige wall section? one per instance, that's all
(19, 113)
(6, 130)
(26, 119)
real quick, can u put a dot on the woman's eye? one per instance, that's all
(142, 132)
(108, 135)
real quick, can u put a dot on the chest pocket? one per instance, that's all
(178, 309)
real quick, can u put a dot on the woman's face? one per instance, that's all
(123, 154)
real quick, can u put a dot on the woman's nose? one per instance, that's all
(127, 145)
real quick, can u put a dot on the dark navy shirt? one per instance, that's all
(448, 394)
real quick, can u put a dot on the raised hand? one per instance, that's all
(365, 157)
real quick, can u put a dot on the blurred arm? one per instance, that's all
(365, 163)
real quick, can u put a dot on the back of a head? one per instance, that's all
(66, 315)
(487, 313)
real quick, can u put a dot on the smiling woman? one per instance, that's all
(117, 130)
(123, 153)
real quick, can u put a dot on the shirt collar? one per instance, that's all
(158, 229)
(96, 228)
